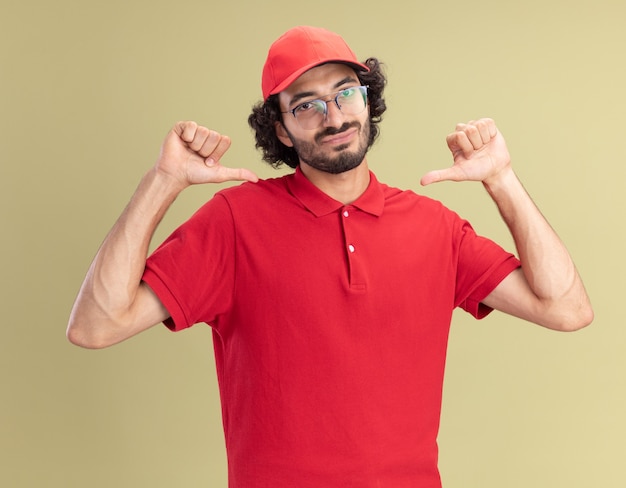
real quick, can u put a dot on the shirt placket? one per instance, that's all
(352, 245)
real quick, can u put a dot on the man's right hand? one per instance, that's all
(191, 155)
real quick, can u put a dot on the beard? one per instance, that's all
(342, 160)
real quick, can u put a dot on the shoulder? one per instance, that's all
(253, 204)
(408, 200)
(248, 191)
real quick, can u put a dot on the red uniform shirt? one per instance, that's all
(330, 326)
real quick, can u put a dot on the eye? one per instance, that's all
(304, 107)
(310, 107)
(347, 93)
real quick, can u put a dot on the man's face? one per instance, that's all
(340, 142)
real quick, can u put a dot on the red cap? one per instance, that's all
(300, 49)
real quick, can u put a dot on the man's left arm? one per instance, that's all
(547, 290)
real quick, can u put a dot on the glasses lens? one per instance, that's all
(352, 100)
(310, 114)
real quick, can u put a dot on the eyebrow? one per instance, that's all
(299, 96)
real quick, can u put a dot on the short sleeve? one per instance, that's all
(481, 266)
(192, 271)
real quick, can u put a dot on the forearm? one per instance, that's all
(545, 261)
(104, 311)
(546, 264)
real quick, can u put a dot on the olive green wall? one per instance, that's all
(89, 89)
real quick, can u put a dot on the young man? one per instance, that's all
(329, 293)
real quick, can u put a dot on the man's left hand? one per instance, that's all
(479, 152)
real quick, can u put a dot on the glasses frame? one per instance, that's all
(335, 98)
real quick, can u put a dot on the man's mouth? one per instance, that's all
(342, 137)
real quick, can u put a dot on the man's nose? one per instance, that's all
(334, 116)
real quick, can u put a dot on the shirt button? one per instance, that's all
(351, 248)
(345, 213)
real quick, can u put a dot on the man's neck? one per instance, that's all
(344, 187)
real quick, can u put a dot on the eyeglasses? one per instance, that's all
(312, 113)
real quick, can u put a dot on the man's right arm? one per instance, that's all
(113, 303)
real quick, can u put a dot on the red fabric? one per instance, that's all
(330, 361)
(300, 49)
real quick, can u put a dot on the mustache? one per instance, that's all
(331, 131)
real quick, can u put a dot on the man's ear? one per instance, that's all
(282, 134)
